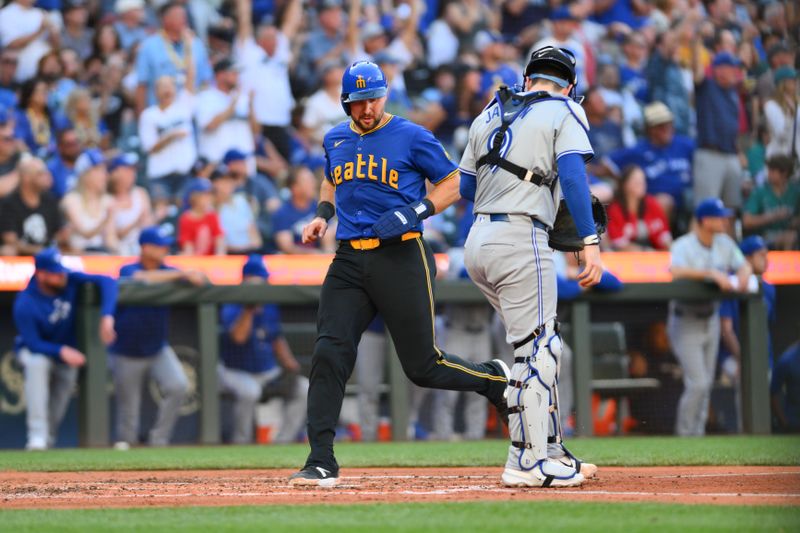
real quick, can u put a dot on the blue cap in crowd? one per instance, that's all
(712, 207)
(726, 58)
(49, 260)
(752, 244)
(233, 155)
(255, 267)
(89, 159)
(156, 235)
(562, 13)
(123, 160)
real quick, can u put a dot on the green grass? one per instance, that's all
(628, 451)
(475, 516)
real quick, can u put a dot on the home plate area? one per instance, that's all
(707, 484)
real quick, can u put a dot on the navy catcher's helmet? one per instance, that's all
(559, 59)
(362, 80)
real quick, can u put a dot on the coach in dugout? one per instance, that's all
(254, 355)
(44, 314)
(141, 348)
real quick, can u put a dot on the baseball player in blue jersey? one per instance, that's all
(44, 314)
(141, 348)
(375, 173)
(524, 150)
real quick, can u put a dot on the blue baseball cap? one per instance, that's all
(157, 236)
(89, 159)
(752, 244)
(711, 207)
(562, 13)
(123, 160)
(727, 59)
(233, 155)
(49, 260)
(254, 266)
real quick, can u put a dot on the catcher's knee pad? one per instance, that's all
(531, 397)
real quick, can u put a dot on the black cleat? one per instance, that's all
(315, 476)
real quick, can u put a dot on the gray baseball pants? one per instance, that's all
(48, 386)
(717, 175)
(130, 375)
(695, 343)
(472, 346)
(246, 388)
(370, 374)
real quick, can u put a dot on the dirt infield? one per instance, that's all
(712, 485)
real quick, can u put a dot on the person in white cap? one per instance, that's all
(130, 22)
(665, 157)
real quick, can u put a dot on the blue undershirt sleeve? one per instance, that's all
(572, 173)
(108, 290)
(468, 186)
(568, 289)
(26, 325)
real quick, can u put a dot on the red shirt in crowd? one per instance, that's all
(201, 232)
(652, 230)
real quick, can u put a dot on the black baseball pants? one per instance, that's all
(395, 280)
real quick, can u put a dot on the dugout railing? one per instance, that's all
(94, 407)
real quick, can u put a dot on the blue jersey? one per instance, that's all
(46, 323)
(289, 218)
(141, 330)
(786, 380)
(668, 168)
(256, 354)
(380, 170)
(730, 309)
(64, 178)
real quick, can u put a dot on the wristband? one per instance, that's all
(325, 210)
(423, 209)
(591, 240)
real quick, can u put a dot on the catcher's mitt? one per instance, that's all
(564, 235)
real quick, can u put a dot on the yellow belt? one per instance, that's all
(374, 242)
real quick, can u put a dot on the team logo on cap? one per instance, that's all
(361, 83)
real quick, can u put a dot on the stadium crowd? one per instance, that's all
(204, 118)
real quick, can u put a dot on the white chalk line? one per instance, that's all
(728, 475)
(442, 492)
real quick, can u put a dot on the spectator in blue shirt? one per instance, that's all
(169, 53)
(665, 81)
(141, 348)
(785, 390)
(631, 70)
(665, 157)
(294, 214)
(255, 354)
(47, 345)
(62, 164)
(604, 134)
(716, 163)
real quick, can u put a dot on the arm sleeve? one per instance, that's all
(778, 376)
(26, 325)
(229, 314)
(568, 289)
(327, 165)
(572, 173)
(430, 158)
(468, 186)
(616, 226)
(143, 73)
(677, 255)
(609, 283)
(108, 290)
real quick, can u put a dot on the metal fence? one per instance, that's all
(94, 407)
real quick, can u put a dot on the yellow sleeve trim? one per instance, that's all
(452, 175)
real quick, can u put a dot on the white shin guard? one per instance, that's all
(532, 416)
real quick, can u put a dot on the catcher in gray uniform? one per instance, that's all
(524, 149)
